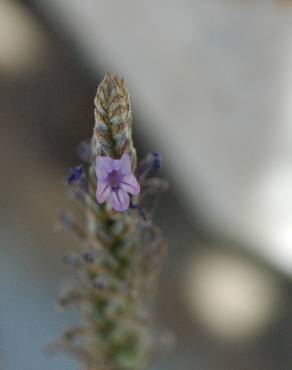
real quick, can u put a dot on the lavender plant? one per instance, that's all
(121, 248)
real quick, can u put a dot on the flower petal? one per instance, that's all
(103, 166)
(130, 184)
(123, 164)
(102, 191)
(126, 164)
(117, 164)
(119, 200)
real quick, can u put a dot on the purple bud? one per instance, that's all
(75, 175)
(89, 256)
(100, 282)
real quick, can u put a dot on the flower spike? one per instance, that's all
(117, 264)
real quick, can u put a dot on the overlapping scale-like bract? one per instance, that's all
(112, 135)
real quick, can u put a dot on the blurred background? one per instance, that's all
(211, 87)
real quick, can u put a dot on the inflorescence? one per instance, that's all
(121, 248)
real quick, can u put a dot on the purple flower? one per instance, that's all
(114, 181)
(77, 177)
(75, 174)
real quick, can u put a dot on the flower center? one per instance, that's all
(114, 179)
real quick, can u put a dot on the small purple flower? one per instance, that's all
(75, 174)
(100, 282)
(114, 181)
(77, 177)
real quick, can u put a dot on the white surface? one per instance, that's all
(211, 81)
